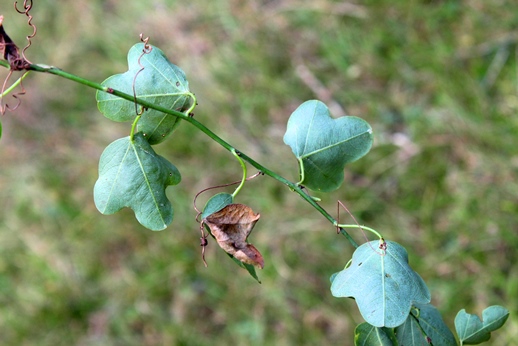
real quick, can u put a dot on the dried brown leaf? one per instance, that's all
(231, 227)
(10, 52)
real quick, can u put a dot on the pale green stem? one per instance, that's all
(301, 170)
(361, 227)
(134, 126)
(243, 165)
(194, 103)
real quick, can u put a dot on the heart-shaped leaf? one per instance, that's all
(324, 145)
(132, 175)
(383, 284)
(471, 330)
(160, 82)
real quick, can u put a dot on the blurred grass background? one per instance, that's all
(438, 81)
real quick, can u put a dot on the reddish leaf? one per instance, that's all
(231, 226)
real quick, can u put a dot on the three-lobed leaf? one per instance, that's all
(384, 285)
(471, 330)
(323, 145)
(159, 81)
(132, 175)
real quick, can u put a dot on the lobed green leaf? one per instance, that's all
(323, 145)
(132, 175)
(471, 330)
(384, 286)
(159, 82)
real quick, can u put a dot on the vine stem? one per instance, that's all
(292, 186)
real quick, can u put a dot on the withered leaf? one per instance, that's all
(9, 51)
(231, 227)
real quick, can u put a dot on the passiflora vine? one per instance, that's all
(154, 97)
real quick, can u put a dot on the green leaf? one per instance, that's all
(384, 286)
(323, 145)
(409, 333)
(0, 129)
(132, 175)
(433, 325)
(216, 203)
(248, 267)
(424, 322)
(160, 82)
(368, 335)
(471, 330)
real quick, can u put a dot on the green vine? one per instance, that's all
(392, 298)
(292, 186)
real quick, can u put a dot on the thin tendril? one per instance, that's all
(27, 5)
(4, 92)
(146, 50)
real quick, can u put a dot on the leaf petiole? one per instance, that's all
(243, 165)
(301, 170)
(194, 103)
(134, 126)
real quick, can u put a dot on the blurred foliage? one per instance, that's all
(438, 81)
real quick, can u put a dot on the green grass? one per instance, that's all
(438, 81)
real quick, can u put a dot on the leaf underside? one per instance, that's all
(384, 286)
